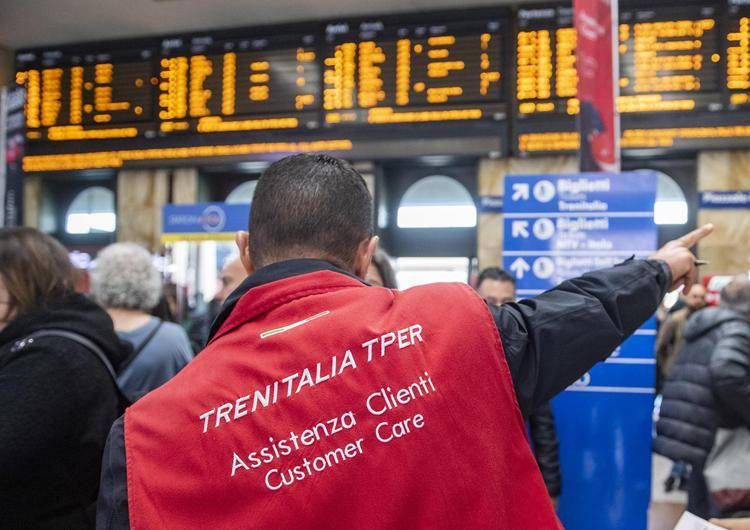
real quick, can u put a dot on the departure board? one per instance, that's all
(738, 53)
(546, 76)
(670, 59)
(380, 72)
(505, 75)
(82, 96)
(683, 65)
(231, 84)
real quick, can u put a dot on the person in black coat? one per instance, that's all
(57, 398)
(707, 388)
(497, 287)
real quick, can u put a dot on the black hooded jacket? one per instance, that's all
(708, 387)
(57, 403)
(546, 448)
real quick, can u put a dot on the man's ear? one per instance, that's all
(365, 252)
(242, 239)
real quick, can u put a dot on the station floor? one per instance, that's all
(666, 508)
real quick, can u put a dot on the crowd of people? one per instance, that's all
(703, 354)
(72, 363)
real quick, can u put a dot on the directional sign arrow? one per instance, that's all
(520, 191)
(520, 228)
(520, 267)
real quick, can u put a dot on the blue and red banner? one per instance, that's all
(597, 65)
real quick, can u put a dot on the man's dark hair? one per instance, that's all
(495, 273)
(309, 205)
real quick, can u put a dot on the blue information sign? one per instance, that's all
(557, 227)
(725, 199)
(490, 204)
(203, 221)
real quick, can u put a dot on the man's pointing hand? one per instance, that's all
(680, 260)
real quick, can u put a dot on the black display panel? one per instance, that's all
(236, 82)
(670, 59)
(738, 53)
(77, 94)
(397, 70)
(684, 67)
(546, 76)
(469, 73)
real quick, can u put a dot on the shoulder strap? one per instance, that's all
(83, 341)
(91, 346)
(137, 350)
(151, 335)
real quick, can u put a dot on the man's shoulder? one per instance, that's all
(681, 315)
(174, 332)
(440, 289)
(738, 327)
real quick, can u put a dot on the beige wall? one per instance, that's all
(185, 185)
(32, 201)
(490, 182)
(728, 248)
(141, 194)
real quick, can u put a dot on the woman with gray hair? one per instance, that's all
(125, 281)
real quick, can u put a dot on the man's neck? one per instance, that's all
(127, 319)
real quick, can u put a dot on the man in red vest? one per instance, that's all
(322, 402)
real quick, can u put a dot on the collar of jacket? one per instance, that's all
(229, 319)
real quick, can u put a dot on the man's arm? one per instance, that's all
(553, 339)
(112, 506)
(730, 369)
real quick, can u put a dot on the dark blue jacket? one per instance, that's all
(708, 386)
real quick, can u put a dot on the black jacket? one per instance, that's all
(548, 341)
(57, 403)
(708, 386)
(546, 448)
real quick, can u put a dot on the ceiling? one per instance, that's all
(31, 23)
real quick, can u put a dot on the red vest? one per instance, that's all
(323, 403)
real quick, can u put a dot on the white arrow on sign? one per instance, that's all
(520, 228)
(520, 267)
(520, 191)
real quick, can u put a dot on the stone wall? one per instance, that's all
(728, 248)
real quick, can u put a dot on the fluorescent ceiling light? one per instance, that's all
(670, 212)
(85, 223)
(437, 216)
